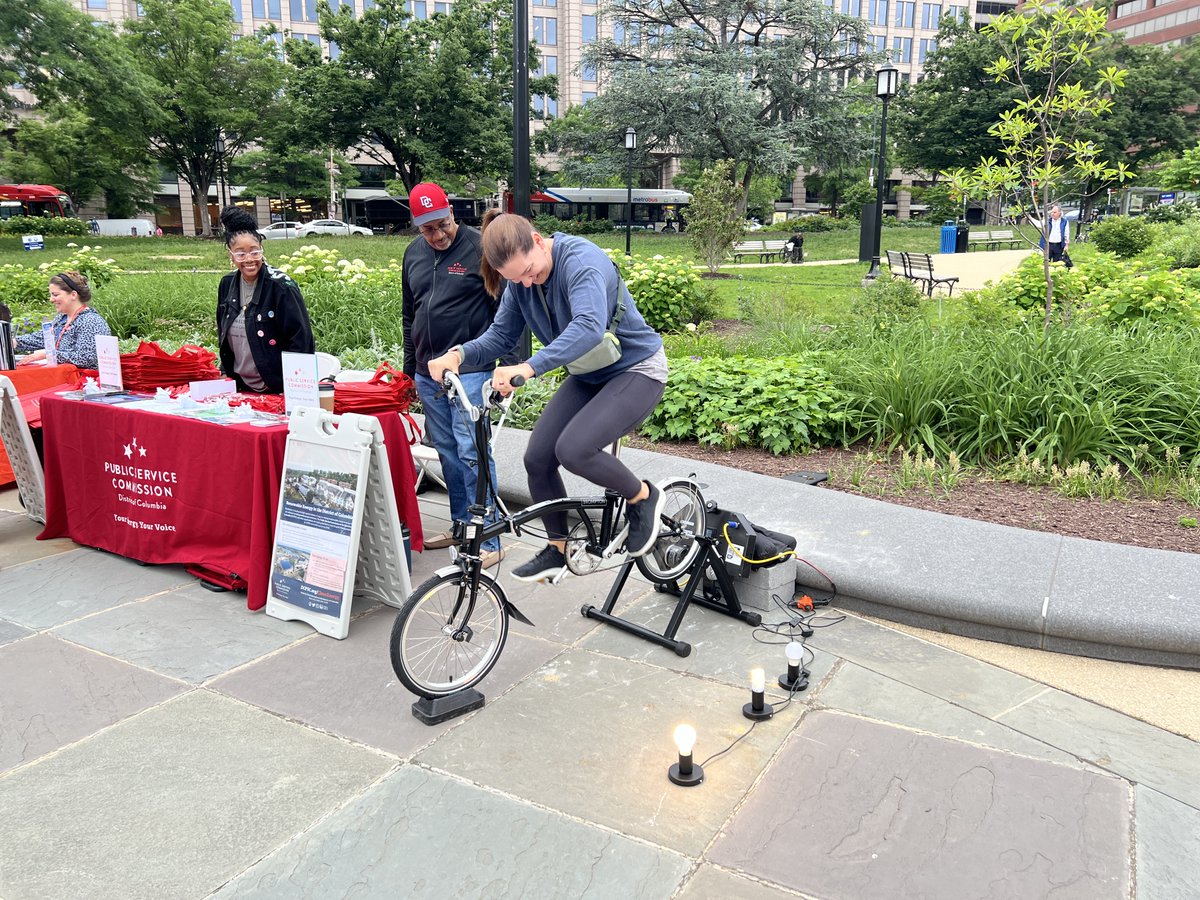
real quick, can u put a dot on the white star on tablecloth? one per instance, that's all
(128, 451)
(141, 451)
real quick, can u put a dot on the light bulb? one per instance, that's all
(795, 652)
(757, 681)
(685, 739)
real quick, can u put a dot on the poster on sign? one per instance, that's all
(108, 361)
(300, 382)
(316, 539)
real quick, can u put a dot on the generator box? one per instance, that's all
(735, 539)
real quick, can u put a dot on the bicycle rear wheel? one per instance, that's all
(435, 651)
(676, 547)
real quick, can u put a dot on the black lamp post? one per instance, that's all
(887, 81)
(630, 146)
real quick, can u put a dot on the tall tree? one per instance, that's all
(426, 97)
(69, 149)
(215, 87)
(754, 83)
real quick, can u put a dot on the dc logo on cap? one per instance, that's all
(426, 202)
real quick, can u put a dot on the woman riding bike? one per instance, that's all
(570, 294)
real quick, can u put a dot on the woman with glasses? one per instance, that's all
(260, 312)
(74, 329)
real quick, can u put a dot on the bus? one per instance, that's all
(652, 207)
(391, 215)
(33, 200)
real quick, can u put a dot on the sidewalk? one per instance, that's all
(160, 741)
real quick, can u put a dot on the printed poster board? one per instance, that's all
(337, 531)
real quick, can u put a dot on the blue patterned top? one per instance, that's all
(76, 342)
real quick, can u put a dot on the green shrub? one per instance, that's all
(1172, 214)
(43, 225)
(1149, 292)
(1122, 236)
(886, 300)
(812, 225)
(346, 315)
(26, 288)
(1025, 287)
(1180, 244)
(782, 404)
(547, 225)
(667, 291)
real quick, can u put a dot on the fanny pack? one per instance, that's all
(605, 353)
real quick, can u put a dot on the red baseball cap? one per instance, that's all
(428, 203)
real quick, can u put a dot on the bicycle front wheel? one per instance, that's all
(436, 648)
(676, 547)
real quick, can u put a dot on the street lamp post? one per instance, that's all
(887, 81)
(630, 146)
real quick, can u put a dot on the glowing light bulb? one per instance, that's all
(795, 652)
(685, 739)
(758, 681)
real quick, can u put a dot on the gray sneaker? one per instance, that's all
(543, 567)
(645, 520)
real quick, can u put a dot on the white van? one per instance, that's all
(123, 227)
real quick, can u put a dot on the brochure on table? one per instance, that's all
(108, 361)
(337, 531)
(50, 344)
(300, 382)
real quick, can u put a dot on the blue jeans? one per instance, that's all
(452, 433)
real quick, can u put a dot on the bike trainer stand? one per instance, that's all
(441, 709)
(718, 594)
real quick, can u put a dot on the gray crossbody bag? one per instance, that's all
(605, 353)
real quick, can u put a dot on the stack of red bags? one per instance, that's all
(389, 390)
(151, 367)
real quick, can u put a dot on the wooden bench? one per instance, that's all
(918, 268)
(765, 250)
(1004, 237)
(979, 238)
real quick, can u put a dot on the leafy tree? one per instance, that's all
(212, 84)
(69, 149)
(723, 79)
(1182, 173)
(713, 221)
(764, 188)
(429, 98)
(288, 173)
(940, 200)
(1045, 51)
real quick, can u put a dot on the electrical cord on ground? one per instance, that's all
(745, 734)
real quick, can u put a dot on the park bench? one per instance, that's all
(991, 240)
(765, 250)
(979, 239)
(918, 268)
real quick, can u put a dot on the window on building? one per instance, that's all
(925, 48)
(877, 42)
(852, 8)
(311, 38)
(545, 2)
(544, 107)
(588, 96)
(139, 10)
(545, 30)
(877, 12)
(956, 12)
(443, 8)
(1128, 9)
(587, 73)
(902, 50)
(237, 10)
(905, 10)
(368, 4)
(931, 14)
(588, 32)
(334, 50)
(419, 9)
(619, 33)
(97, 4)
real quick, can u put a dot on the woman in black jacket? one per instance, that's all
(260, 312)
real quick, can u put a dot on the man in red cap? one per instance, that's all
(446, 304)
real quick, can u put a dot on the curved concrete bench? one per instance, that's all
(948, 574)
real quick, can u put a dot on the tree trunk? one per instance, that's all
(744, 197)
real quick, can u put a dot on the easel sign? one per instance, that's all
(337, 531)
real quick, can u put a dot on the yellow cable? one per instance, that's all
(753, 562)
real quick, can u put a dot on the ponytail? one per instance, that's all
(504, 236)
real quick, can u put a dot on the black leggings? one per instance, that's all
(575, 430)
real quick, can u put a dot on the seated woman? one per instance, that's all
(260, 312)
(567, 291)
(75, 328)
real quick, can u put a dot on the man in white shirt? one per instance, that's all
(1058, 234)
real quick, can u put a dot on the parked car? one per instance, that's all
(282, 230)
(332, 226)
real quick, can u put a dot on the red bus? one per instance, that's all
(33, 200)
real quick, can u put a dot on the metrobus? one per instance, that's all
(652, 207)
(33, 200)
(391, 215)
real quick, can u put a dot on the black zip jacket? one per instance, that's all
(445, 302)
(276, 320)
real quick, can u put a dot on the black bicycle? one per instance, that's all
(450, 632)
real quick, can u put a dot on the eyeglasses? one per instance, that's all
(243, 255)
(445, 227)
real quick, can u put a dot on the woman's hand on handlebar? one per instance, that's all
(503, 378)
(448, 360)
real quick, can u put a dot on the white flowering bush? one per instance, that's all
(26, 288)
(312, 264)
(667, 290)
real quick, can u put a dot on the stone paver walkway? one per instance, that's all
(158, 740)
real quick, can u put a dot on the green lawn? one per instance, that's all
(183, 254)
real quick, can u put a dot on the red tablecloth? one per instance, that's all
(198, 493)
(27, 380)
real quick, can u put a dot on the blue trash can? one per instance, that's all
(949, 236)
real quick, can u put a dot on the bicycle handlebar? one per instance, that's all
(454, 387)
